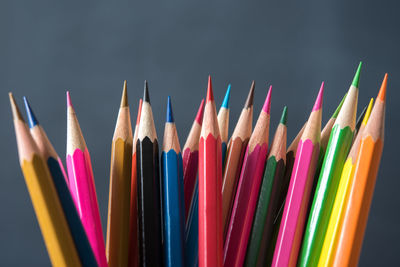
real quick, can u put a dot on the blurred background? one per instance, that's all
(90, 47)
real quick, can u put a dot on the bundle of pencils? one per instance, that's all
(224, 200)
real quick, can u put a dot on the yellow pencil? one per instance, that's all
(332, 234)
(45, 201)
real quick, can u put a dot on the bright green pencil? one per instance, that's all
(336, 152)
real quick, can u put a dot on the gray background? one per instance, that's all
(90, 47)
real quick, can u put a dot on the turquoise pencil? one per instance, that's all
(223, 122)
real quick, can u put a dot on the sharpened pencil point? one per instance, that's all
(267, 103)
(170, 114)
(32, 121)
(318, 102)
(199, 116)
(14, 108)
(382, 91)
(368, 112)
(356, 79)
(225, 103)
(210, 93)
(124, 98)
(284, 116)
(146, 97)
(69, 103)
(139, 112)
(335, 114)
(250, 96)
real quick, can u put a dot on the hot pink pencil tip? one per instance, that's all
(318, 102)
(267, 103)
(69, 103)
(199, 116)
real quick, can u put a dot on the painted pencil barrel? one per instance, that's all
(192, 232)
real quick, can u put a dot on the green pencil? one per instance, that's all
(268, 204)
(338, 147)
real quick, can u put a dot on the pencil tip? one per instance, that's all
(318, 102)
(284, 116)
(69, 103)
(356, 79)
(146, 97)
(32, 121)
(210, 94)
(225, 103)
(199, 116)
(382, 91)
(139, 112)
(124, 98)
(368, 112)
(267, 103)
(170, 114)
(14, 108)
(335, 114)
(250, 96)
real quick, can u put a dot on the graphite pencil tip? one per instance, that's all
(318, 102)
(124, 98)
(267, 103)
(199, 116)
(32, 121)
(14, 108)
(284, 116)
(250, 96)
(356, 79)
(210, 94)
(335, 114)
(225, 103)
(69, 102)
(146, 97)
(382, 91)
(170, 114)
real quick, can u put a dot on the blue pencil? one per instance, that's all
(57, 172)
(192, 231)
(223, 122)
(173, 203)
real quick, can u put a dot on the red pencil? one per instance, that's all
(247, 190)
(210, 184)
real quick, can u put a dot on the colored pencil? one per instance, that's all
(247, 190)
(133, 258)
(53, 225)
(267, 205)
(117, 245)
(148, 186)
(296, 205)
(210, 186)
(172, 174)
(336, 153)
(334, 226)
(360, 120)
(192, 232)
(223, 122)
(190, 158)
(233, 164)
(81, 184)
(362, 186)
(57, 173)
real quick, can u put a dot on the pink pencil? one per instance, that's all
(247, 190)
(81, 185)
(297, 199)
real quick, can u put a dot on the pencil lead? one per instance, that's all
(14, 108)
(225, 103)
(356, 79)
(139, 112)
(69, 103)
(170, 114)
(368, 112)
(210, 94)
(284, 116)
(32, 121)
(250, 96)
(199, 116)
(335, 114)
(318, 102)
(124, 98)
(382, 91)
(267, 103)
(146, 97)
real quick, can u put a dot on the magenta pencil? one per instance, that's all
(247, 190)
(298, 196)
(81, 185)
